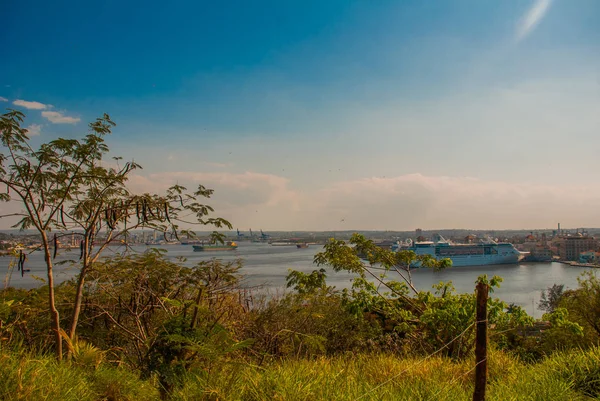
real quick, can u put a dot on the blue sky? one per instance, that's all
(330, 115)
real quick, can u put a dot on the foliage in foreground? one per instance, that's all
(64, 186)
(194, 333)
(566, 376)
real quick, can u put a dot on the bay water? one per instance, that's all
(266, 266)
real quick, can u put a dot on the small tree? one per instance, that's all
(306, 283)
(551, 298)
(64, 185)
(583, 304)
(342, 256)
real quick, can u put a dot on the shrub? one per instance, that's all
(308, 325)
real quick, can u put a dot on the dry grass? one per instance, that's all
(379, 377)
(30, 378)
(573, 376)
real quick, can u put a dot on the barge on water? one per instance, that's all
(228, 246)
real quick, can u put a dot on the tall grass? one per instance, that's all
(564, 377)
(580, 368)
(379, 377)
(29, 377)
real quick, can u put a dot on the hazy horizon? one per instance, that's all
(256, 232)
(327, 115)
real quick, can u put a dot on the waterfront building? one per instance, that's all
(542, 253)
(569, 248)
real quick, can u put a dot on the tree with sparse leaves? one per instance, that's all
(550, 298)
(362, 256)
(306, 283)
(431, 320)
(65, 187)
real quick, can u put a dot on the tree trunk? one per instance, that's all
(77, 303)
(54, 315)
(196, 306)
(79, 292)
(481, 343)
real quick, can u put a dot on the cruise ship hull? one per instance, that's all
(483, 260)
(470, 255)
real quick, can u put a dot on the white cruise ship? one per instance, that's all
(486, 253)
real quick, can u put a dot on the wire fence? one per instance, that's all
(451, 382)
(425, 359)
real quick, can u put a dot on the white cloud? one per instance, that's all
(232, 189)
(403, 202)
(34, 129)
(246, 199)
(56, 117)
(3, 99)
(31, 105)
(415, 200)
(532, 18)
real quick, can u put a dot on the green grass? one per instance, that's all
(28, 377)
(381, 377)
(580, 368)
(571, 376)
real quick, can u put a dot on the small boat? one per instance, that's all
(301, 246)
(190, 242)
(228, 246)
(283, 243)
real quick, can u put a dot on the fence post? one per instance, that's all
(481, 342)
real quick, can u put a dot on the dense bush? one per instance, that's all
(309, 325)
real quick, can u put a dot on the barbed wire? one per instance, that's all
(421, 361)
(456, 379)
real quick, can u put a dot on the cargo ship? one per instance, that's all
(228, 246)
(481, 254)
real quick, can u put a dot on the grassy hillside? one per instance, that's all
(566, 376)
(154, 329)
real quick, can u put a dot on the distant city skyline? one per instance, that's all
(329, 115)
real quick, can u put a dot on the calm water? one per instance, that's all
(268, 265)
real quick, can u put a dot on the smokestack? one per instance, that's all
(558, 228)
